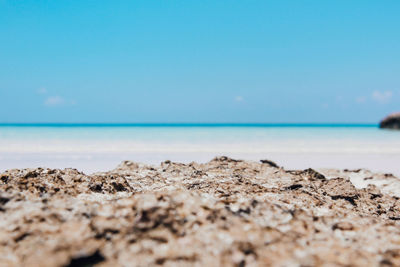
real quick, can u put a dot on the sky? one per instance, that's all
(199, 61)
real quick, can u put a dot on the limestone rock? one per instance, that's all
(222, 213)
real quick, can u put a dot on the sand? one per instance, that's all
(224, 212)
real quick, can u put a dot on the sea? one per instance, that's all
(100, 147)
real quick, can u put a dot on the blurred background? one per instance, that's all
(302, 83)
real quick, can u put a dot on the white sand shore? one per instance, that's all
(93, 162)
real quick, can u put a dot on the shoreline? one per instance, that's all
(104, 161)
(94, 149)
(224, 212)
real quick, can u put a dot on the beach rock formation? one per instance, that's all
(222, 213)
(392, 121)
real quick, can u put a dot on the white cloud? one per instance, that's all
(382, 96)
(239, 98)
(325, 105)
(361, 99)
(52, 101)
(42, 91)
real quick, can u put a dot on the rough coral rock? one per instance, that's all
(222, 213)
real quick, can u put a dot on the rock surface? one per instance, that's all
(392, 121)
(222, 213)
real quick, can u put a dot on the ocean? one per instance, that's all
(101, 147)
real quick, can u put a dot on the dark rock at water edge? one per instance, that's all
(392, 121)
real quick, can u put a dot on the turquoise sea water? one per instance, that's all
(102, 146)
(190, 132)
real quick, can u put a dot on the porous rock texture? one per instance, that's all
(222, 213)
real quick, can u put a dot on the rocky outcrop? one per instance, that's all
(392, 121)
(222, 213)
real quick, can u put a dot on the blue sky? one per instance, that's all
(199, 61)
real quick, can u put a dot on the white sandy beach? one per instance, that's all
(101, 149)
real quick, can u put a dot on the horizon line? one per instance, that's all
(188, 124)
